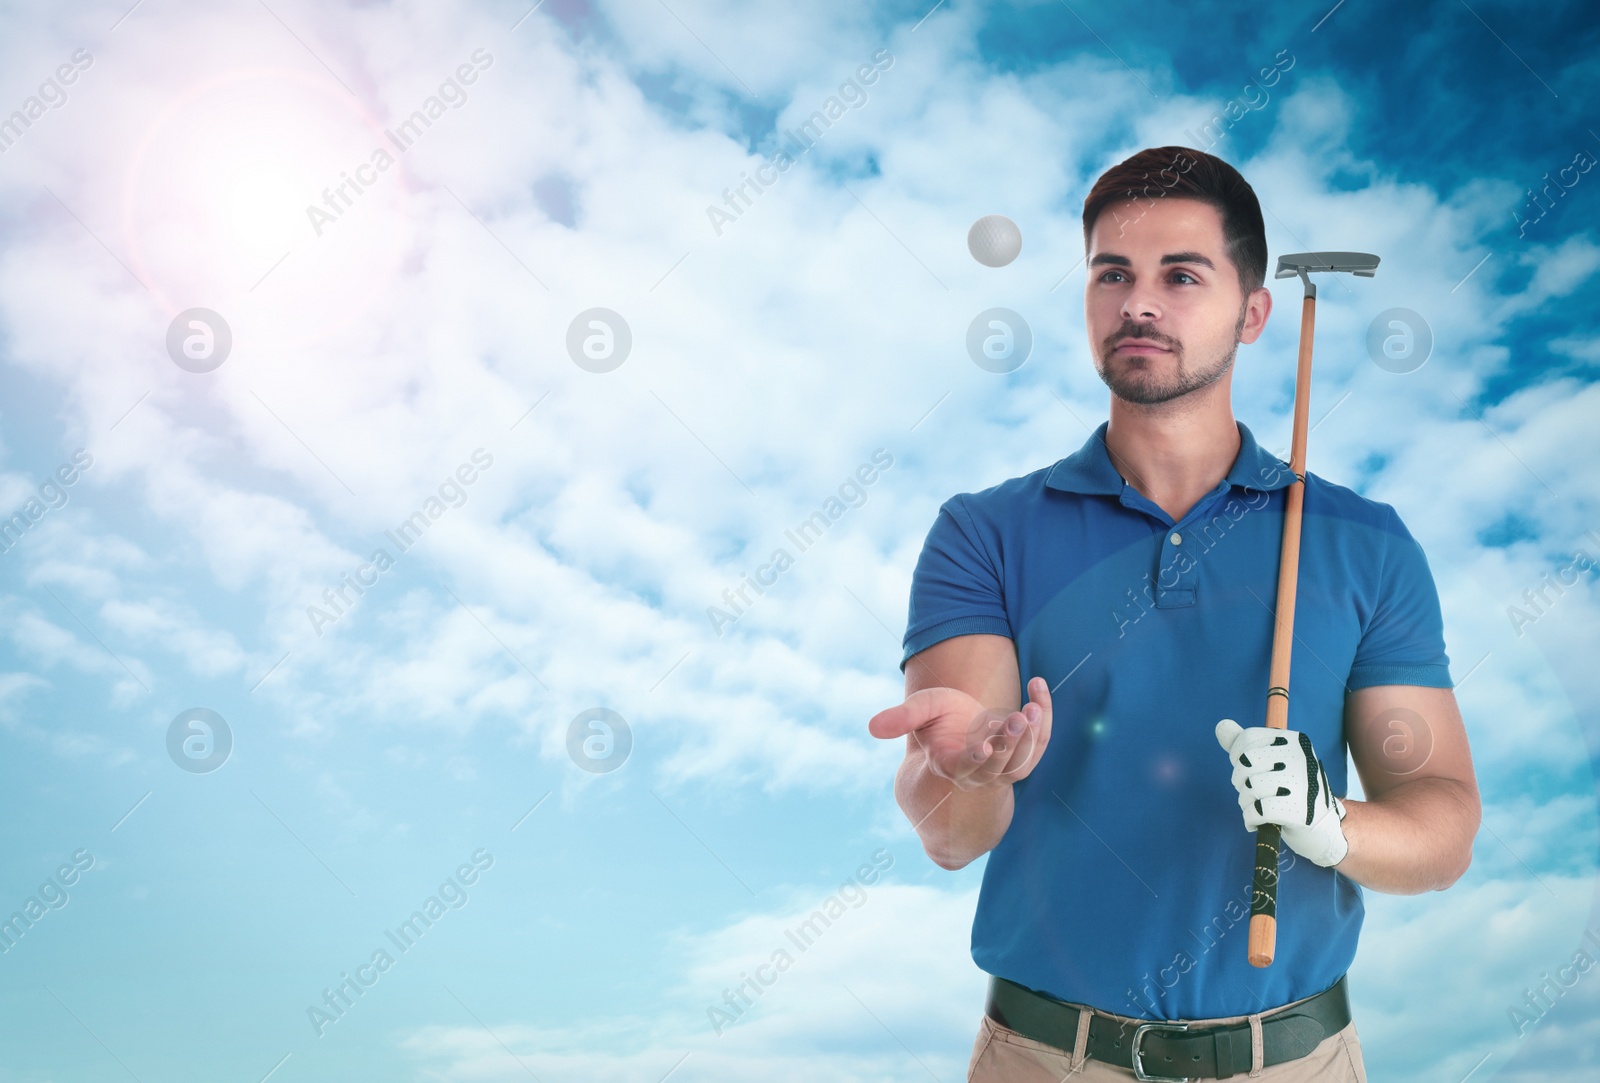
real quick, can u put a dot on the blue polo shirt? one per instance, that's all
(1124, 879)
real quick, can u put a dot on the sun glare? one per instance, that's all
(216, 207)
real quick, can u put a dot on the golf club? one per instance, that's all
(1264, 896)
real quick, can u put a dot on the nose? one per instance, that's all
(1140, 306)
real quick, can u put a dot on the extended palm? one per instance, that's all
(967, 743)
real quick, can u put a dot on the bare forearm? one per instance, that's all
(1416, 838)
(956, 826)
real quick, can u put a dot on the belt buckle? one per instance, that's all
(1138, 1067)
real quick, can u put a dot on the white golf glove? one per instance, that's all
(1281, 781)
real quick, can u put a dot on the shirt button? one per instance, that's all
(1176, 539)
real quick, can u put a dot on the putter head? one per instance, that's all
(1356, 263)
(1364, 264)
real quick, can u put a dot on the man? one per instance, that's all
(1133, 582)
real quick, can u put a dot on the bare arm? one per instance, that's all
(968, 739)
(1414, 831)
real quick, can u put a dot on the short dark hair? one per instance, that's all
(1185, 173)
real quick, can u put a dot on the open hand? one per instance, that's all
(967, 743)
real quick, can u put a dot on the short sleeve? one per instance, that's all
(1403, 643)
(957, 588)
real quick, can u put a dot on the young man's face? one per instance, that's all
(1163, 304)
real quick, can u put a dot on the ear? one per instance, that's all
(1258, 306)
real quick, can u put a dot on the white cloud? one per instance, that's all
(896, 960)
(1442, 972)
(206, 651)
(608, 523)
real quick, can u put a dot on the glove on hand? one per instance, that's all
(1281, 781)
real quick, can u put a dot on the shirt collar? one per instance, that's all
(1089, 470)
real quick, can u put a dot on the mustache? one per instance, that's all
(1129, 330)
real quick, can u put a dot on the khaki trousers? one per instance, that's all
(1001, 1055)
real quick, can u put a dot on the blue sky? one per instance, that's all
(372, 357)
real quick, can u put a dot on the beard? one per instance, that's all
(1135, 378)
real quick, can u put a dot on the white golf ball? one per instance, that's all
(994, 240)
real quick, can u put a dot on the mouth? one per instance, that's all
(1139, 346)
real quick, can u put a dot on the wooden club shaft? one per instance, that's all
(1264, 893)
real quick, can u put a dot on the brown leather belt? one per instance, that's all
(1179, 1051)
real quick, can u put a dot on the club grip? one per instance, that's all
(1264, 897)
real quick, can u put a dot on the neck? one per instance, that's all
(1176, 452)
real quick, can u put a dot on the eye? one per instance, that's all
(1185, 274)
(1107, 274)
